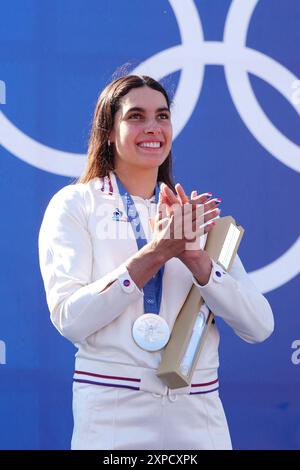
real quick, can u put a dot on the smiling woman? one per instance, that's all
(117, 298)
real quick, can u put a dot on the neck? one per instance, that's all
(138, 182)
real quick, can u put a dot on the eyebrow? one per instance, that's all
(137, 108)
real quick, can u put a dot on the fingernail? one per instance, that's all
(218, 200)
(208, 194)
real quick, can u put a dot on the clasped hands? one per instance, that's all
(196, 215)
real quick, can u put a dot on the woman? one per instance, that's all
(105, 270)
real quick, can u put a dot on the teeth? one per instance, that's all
(154, 145)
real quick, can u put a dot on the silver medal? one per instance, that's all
(151, 332)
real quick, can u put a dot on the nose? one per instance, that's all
(152, 127)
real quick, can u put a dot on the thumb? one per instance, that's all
(151, 223)
(159, 209)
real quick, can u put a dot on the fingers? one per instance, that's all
(194, 236)
(159, 210)
(193, 215)
(198, 220)
(182, 198)
(201, 198)
(212, 204)
(181, 194)
(161, 224)
(188, 214)
(165, 205)
(193, 196)
(208, 227)
(211, 215)
(169, 195)
(162, 217)
(151, 223)
(194, 228)
(194, 199)
(210, 207)
(187, 219)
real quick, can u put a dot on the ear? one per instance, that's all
(111, 136)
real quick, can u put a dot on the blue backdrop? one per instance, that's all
(233, 68)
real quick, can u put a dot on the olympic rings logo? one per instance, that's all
(190, 57)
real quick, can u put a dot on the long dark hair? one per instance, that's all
(100, 155)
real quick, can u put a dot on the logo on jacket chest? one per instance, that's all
(119, 216)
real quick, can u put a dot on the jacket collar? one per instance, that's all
(109, 186)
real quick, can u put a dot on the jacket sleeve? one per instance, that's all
(235, 298)
(78, 307)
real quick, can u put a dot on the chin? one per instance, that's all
(152, 164)
(151, 160)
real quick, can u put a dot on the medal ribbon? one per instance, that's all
(153, 288)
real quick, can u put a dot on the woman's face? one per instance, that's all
(142, 132)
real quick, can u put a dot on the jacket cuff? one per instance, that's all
(122, 278)
(126, 282)
(217, 275)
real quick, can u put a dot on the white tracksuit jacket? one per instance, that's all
(118, 401)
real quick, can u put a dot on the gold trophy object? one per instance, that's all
(182, 352)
